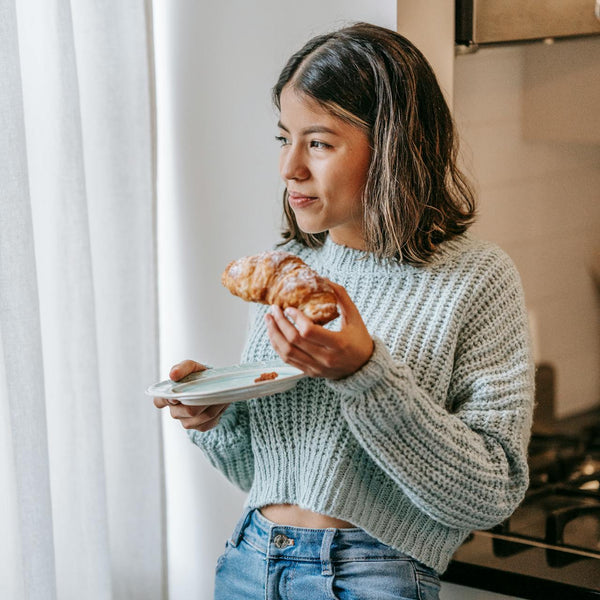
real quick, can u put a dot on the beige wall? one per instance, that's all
(540, 201)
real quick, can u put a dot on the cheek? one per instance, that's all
(342, 181)
(357, 171)
(362, 169)
(354, 185)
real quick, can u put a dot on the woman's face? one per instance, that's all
(324, 163)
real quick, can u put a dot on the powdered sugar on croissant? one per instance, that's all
(281, 278)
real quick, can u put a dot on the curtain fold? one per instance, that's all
(78, 317)
(26, 517)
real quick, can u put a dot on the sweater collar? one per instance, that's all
(337, 257)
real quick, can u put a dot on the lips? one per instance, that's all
(300, 200)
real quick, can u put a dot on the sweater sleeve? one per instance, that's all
(228, 446)
(463, 464)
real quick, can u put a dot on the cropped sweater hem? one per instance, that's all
(410, 532)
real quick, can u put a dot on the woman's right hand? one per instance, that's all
(201, 418)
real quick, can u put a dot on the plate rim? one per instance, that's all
(166, 391)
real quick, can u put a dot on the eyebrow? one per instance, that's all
(309, 130)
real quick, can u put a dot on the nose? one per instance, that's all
(292, 164)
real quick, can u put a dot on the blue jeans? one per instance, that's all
(266, 561)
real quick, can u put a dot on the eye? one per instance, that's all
(283, 141)
(319, 145)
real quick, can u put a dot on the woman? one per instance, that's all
(412, 427)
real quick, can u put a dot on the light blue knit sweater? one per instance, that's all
(428, 440)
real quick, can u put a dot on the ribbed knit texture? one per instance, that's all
(428, 440)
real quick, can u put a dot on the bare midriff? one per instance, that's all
(294, 516)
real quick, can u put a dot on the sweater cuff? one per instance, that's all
(371, 373)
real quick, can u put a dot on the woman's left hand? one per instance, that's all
(315, 350)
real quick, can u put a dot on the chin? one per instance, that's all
(311, 228)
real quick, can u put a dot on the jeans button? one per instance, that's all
(282, 541)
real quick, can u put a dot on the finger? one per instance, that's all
(160, 402)
(204, 426)
(204, 421)
(311, 333)
(347, 308)
(300, 331)
(184, 368)
(187, 411)
(287, 351)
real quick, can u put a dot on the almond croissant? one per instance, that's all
(281, 278)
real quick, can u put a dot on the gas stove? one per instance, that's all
(550, 546)
(562, 506)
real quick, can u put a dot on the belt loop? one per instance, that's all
(328, 536)
(238, 532)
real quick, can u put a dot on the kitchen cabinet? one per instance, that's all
(561, 82)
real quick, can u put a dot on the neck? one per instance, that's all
(355, 241)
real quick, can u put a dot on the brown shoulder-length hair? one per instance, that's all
(415, 196)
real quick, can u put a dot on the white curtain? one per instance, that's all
(81, 492)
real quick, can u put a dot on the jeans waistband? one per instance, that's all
(301, 543)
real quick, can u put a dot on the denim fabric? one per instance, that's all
(266, 561)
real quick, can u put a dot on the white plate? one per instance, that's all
(228, 384)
